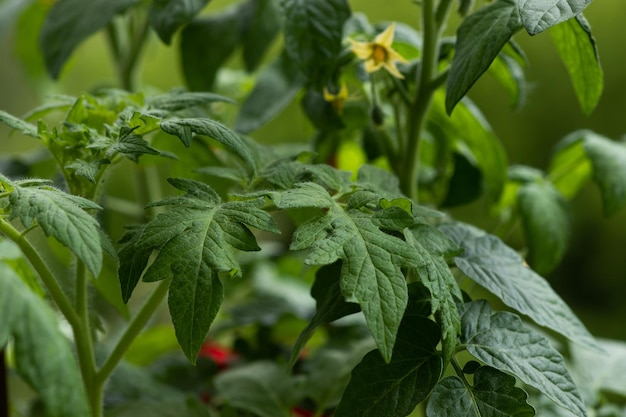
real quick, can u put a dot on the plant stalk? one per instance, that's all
(132, 331)
(428, 81)
(83, 335)
(44, 272)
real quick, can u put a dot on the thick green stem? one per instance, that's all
(44, 272)
(132, 331)
(428, 81)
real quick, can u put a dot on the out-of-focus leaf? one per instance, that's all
(42, 354)
(166, 16)
(263, 23)
(578, 50)
(546, 222)
(608, 160)
(206, 44)
(275, 88)
(261, 388)
(570, 167)
(313, 33)
(70, 22)
(468, 130)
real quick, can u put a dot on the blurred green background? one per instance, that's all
(592, 277)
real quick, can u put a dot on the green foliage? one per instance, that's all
(29, 320)
(199, 223)
(70, 22)
(493, 394)
(393, 325)
(481, 36)
(579, 52)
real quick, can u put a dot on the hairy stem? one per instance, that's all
(83, 337)
(44, 272)
(428, 81)
(132, 331)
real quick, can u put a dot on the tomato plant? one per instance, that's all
(320, 277)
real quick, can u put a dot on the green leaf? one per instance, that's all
(263, 23)
(469, 130)
(431, 247)
(480, 38)
(42, 354)
(88, 170)
(261, 388)
(370, 274)
(307, 194)
(578, 50)
(133, 260)
(539, 15)
(131, 145)
(162, 407)
(195, 297)
(570, 167)
(313, 33)
(465, 185)
(499, 269)
(330, 305)
(166, 16)
(510, 73)
(61, 216)
(70, 22)
(378, 389)
(608, 160)
(493, 395)
(11, 255)
(500, 340)
(18, 124)
(195, 241)
(184, 128)
(546, 222)
(600, 372)
(276, 87)
(181, 100)
(206, 44)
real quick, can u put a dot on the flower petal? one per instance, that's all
(385, 38)
(393, 55)
(392, 69)
(372, 66)
(362, 50)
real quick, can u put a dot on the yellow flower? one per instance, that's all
(337, 100)
(379, 53)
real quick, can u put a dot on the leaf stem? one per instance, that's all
(132, 331)
(44, 272)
